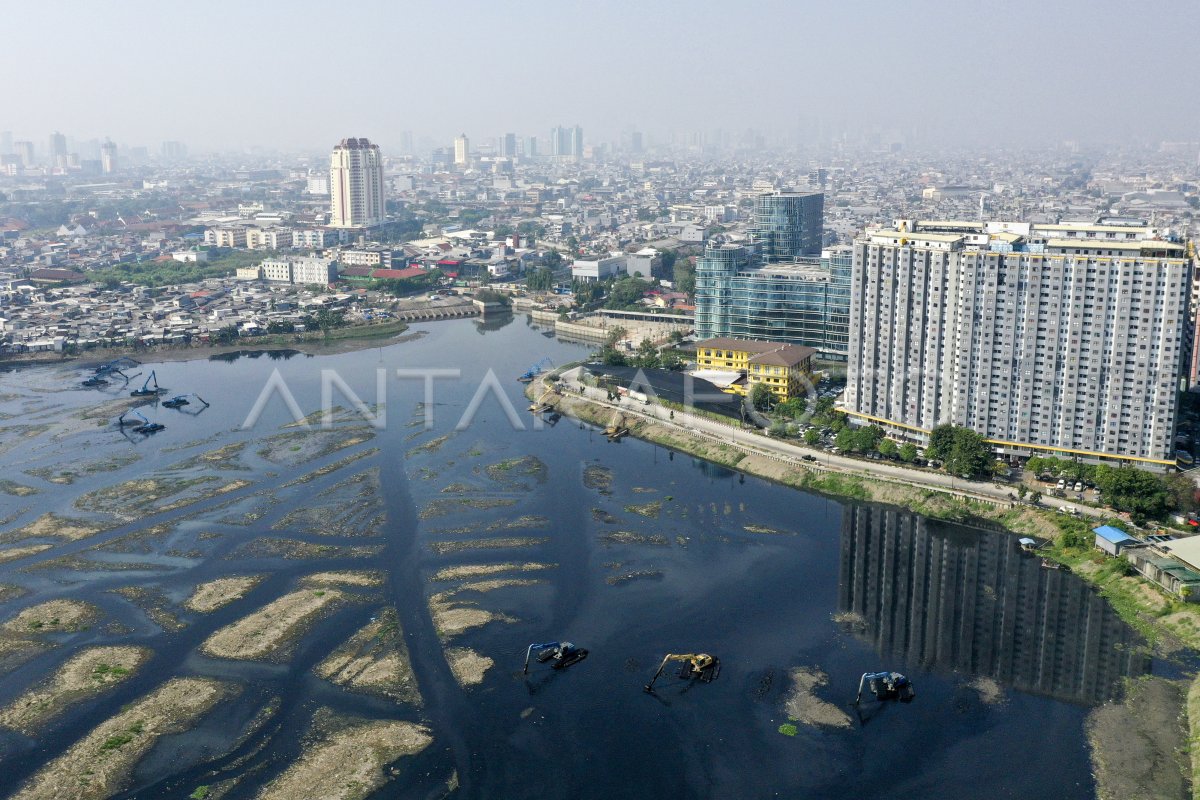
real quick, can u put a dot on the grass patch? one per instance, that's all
(788, 729)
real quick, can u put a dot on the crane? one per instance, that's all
(696, 666)
(886, 686)
(564, 654)
(146, 391)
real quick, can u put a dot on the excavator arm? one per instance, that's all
(698, 664)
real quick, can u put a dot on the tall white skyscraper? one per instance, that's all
(1047, 339)
(462, 150)
(356, 185)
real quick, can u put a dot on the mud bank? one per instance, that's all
(100, 764)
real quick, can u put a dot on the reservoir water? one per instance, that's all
(496, 536)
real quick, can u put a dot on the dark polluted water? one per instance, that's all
(496, 536)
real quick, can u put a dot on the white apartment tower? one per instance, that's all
(356, 185)
(462, 150)
(1047, 339)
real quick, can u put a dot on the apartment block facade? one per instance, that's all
(1063, 339)
(356, 185)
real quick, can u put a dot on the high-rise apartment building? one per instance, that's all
(24, 150)
(787, 225)
(462, 150)
(1063, 339)
(174, 151)
(108, 157)
(508, 147)
(58, 149)
(356, 185)
(566, 143)
(6, 143)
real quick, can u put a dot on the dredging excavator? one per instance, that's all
(561, 654)
(696, 666)
(886, 686)
(146, 390)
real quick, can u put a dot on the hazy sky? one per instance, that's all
(306, 74)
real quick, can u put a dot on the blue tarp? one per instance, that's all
(1111, 534)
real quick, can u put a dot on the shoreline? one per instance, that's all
(1168, 625)
(353, 338)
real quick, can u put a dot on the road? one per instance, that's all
(752, 441)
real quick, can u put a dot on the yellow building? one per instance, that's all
(785, 369)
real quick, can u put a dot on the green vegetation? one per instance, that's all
(540, 280)
(788, 729)
(963, 451)
(859, 440)
(1143, 494)
(398, 287)
(624, 294)
(167, 273)
(102, 671)
(200, 792)
(119, 740)
(761, 397)
(683, 271)
(492, 296)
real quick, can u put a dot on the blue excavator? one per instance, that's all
(560, 654)
(886, 686)
(143, 426)
(146, 390)
(535, 370)
(181, 400)
(102, 372)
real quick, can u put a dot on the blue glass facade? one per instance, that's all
(806, 301)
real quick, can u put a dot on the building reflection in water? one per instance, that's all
(947, 597)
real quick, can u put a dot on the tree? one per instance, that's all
(1182, 492)
(684, 273)
(963, 451)
(1036, 497)
(226, 335)
(552, 260)
(647, 355)
(1130, 489)
(887, 448)
(970, 455)
(625, 294)
(941, 440)
(540, 280)
(908, 452)
(845, 440)
(1022, 491)
(761, 397)
(812, 436)
(793, 407)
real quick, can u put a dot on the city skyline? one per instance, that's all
(857, 57)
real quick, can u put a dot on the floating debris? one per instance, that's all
(469, 667)
(266, 632)
(85, 675)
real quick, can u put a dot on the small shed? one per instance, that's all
(1027, 545)
(1112, 540)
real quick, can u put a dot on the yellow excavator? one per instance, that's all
(540, 405)
(696, 666)
(616, 429)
